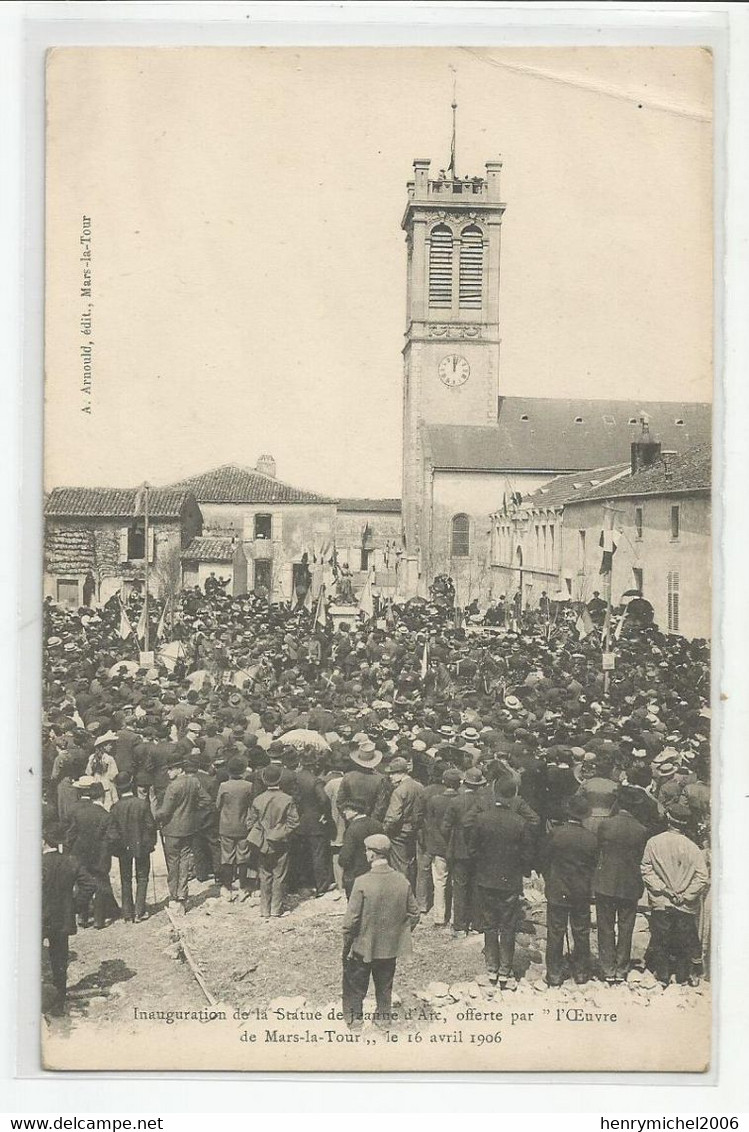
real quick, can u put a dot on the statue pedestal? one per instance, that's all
(343, 614)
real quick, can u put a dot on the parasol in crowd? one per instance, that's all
(304, 737)
(170, 654)
(195, 679)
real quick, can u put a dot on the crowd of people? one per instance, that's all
(417, 764)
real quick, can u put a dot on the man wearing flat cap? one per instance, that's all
(381, 914)
(404, 818)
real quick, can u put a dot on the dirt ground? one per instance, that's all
(246, 961)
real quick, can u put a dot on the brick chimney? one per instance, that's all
(645, 450)
(266, 465)
(667, 459)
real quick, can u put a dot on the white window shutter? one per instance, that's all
(123, 544)
(151, 544)
(277, 526)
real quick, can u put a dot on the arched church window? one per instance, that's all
(441, 267)
(461, 537)
(471, 267)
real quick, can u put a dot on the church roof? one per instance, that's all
(233, 484)
(549, 434)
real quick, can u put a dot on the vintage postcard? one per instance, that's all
(377, 559)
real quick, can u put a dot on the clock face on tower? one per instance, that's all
(453, 370)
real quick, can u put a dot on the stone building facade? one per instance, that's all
(95, 542)
(659, 515)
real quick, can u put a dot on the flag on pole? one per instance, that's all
(161, 627)
(425, 660)
(584, 624)
(125, 627)
(140, 629)
(307, 603)
(320, 612)
(366, 601)
(390, 619)
(607, 542)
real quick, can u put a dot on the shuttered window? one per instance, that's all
(461, 537)
(471, 268)
(441, 267)
(673, 601)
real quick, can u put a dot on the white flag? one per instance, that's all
(366, 601)
(161, 627)
(125, 626)
(320, 612)
(140, 629)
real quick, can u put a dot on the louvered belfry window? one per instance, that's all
(441, 267)
(471, 267)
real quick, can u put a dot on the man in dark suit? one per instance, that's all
(617, 883)
(404, 818)
(180, 817)
(86, 837)
(454, 831)
(381, 914)
(132, 837)
(59, 875)
(435, 845)
(312, 838)
(569, 858)
(499, 844)
(353, 855)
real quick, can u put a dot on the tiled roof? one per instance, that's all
(114, 503)
(549, 434)
(390, 506)
(572, 486)
(690, 471)
(210, 550)
(232, 484)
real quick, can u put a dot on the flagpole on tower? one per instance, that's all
(452, 169)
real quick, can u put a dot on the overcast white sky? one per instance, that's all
(249, 266)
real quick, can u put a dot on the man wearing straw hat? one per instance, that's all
(363, 783)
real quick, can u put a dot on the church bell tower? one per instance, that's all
(451, 352)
